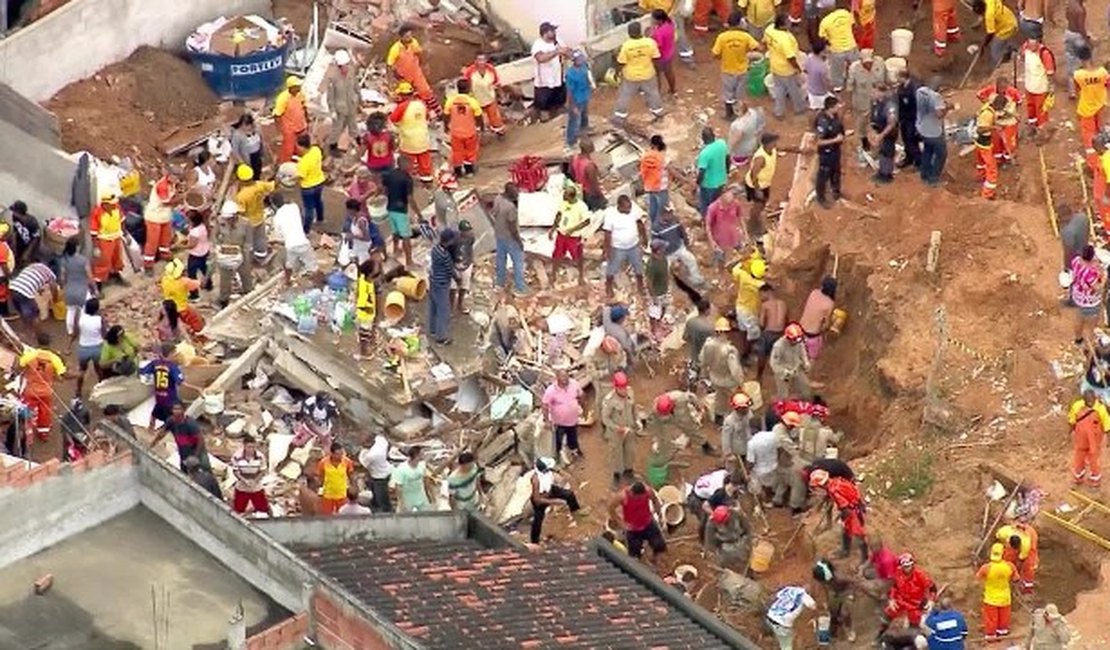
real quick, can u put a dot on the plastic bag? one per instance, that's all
(344, 255)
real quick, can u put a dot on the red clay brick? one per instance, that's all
(21, 481)
(40, 473)
(95, 459)
(53, 466)
(332, 641)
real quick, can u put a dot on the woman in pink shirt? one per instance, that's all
(562, 406)
(1088, 282)
(199, 247)
(723, 222)
(663, 33)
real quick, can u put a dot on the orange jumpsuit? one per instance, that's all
(462, 113)
(1099, 187)
(702, 9)
(846, 498)
(1025, 558)
(1040, 66)
(1088, 426)
(1091, 85)
(908, 595)
(411, 118)
(864, 30)
(986, 164)
(106, 229)
(406, 65)
(945, 28)
(41, 369)
(292, 120)
(158, 221)
(483, 85)
(1006, 121)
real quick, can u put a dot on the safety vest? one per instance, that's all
(335, 479)
(1092, 91)
(412, 127)
(984, 126)
(766, 174)
(483, 84)
(106, 225)
(1036, 70)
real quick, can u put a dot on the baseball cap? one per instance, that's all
(547, 27)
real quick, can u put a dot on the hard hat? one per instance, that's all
(664, 405)
(818, 478)
(609, 345)
(244, 172)
(342, 57)
(4, 229)
(758, 268)
(791, 419)
(722, 325)
(794, 333)
(404, 88)
(292, 82)
(996, 552)
(740, 401)
(108, 197)
(620, 380)
(174, 268)
(229, 208)
(906, 560)
(720, 514)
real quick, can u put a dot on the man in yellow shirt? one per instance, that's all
(573, 217)
(749, 276)
(1090, 81)
(251, 199)
(996, 576)
(310, 174)
(732, 47)
(836, 28)
(637, 55)
(1001, 27)
(786, 70)
(759, 14)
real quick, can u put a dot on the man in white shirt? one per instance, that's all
(299, 255)
(353, 507)
(624, 232)
(763, 456)
(550, 90)
(375, 459)
(790, 602)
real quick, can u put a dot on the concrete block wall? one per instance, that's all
(323, 531)
(286, 635)
(44, 505)
(339, 626)
(84, 36)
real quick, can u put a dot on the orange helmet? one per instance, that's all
(794, 332)
(609, 345)
(664, 404)
(818, 478)
(740, 401)
(620, 380)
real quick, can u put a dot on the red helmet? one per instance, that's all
(818, 478)
(620, 380)
(720, 514)
(664, 404)
(906, 560)
(609, 345)
(794, 332)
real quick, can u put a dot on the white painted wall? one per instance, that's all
(83, 36)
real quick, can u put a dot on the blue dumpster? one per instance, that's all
(260, 74)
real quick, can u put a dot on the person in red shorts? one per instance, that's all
(573, 217)
(911, 594)
(249, 466)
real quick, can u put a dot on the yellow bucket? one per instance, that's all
(839, 318)
(395, 305)
(761, 556)
(413, 287)
(58, 308)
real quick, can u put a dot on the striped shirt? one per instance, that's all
(32, 280)
(248, 471)
(443, 267)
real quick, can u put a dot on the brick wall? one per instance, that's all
(20, 476)
(286, 635)
(340, 627)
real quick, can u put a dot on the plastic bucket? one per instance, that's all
(657, 475)
(895, 66)
(213, 402)
(673, 514)
(901, 42)
(824, 630)
(412, 287)
(394, 305)
(761, 555)
(839, 318)
(377, 210)
(670, 494)
(756, 74)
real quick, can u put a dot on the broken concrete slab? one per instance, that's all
(125, 392)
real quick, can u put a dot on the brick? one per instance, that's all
(332, 641)
(44, 583)
(95, 459)
(53, 466)
(323, 607)
(40, 473)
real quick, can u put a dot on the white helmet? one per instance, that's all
(342, 57)
(229, 208)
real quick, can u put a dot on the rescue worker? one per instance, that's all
(838, 599)
(728, 536)
(291, 116)
(1090, 81)
(1019, 540)
(720, 363)
(737, 427)
(251, 199)
(41, 369)
(748, 276)
(732, 47)
(910, 595)
(1006, 120)
(702, 9)
(848, 501)
(997, 574)
(1089, 422)
(609, 359)
(7, 268)
(682, 410)
(986, 164)
(1040, 68)
(906, 91)
(484, 84)
(343, 101)
(404, 59)
(411, 118)
(1049, 629)
(864, 76)
(176, 287)
(790, 363)
(1001, 27)
(106, 230)
(790, 489)
(158, 220)
(1099, 183)
(863, 15)
(946, 29)
(884, 125)
(233, 254)
(721, 487)
(619, 424)
(464, 121)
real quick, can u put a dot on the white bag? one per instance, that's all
(344, 256)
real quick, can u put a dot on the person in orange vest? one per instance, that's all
(702, 9)
(158, 220)
(848, 501)
(464, 120)
(996, 576)
(986, 164)
(176, 288)
(1005, 141)
(291, 116)
(912, 592)
(7, 267)
(945, 27)
(1089, 422)
(1040, 66)
(1100, 184)
(1020, 541)
(1090, 80)
(106, 229)
(863, 11)
(404, 59)
(41, 369)
(411, 118)
(484, 84)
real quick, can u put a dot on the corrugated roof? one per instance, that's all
(459, 594)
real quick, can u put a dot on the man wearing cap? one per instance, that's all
(106, 229)
(550, 90)
(411, 118)
(484, 84)
(580, 88)
(846, 498)
(176, 287)
(790, 363)
(637, 55)
(720, 362)
(464, 121)
(863, 76)
(749, 274)
(728, 536)
(291, 116)
(251, 200)
(404, 58)
(158, 219)
(41, 369)
(233, 252)
(343, 101)
(737, 427)
(681, 410)
(619, 422)
(1050, 630)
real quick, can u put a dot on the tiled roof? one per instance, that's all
(460, 594)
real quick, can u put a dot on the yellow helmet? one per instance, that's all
(722, 325)
(174, 269)
(244, 172)
(292, 82)
(404, 88)
(758, 268)
(4, 229)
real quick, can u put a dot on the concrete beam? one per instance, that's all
(325, 531)
(242, 365)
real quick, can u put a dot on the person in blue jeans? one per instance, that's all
(441, 275)
(712, 169)
(931, 109)
(579, 91)
(508, 244)
(310, 170)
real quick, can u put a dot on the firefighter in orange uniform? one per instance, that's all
(1020, 541)
(702, 9)
(158, 220)
(1006, 118)
(1090, 80)
(106, 229)
(464, 119)
(404, 59)
(911, 593)
(1089, 422)
(848, 501)
(945, 28)
(1040, 66)
(291, 116)
(986, 164)
(483, 85)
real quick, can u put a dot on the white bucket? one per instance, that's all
(673, 513)
(214, 402)
(901, 42)
(895, 65)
